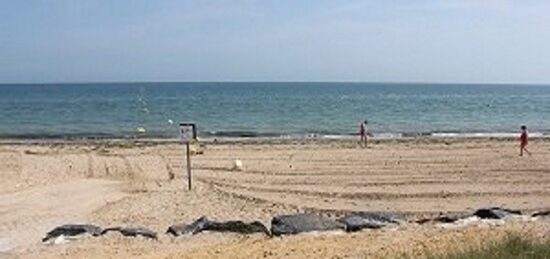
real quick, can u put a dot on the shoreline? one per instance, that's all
(440, 138)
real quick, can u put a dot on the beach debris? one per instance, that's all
(438, 219)
(237, 165)
(359, 220)
(444, 219)
(185, 229)
(203, 224)
(541, 214)
(294, 224)
(237, 226)
(61, 240)
(496, 213)
(466, 221)
(31, 152)
(72, 230)
(195, 148)
(490, 216)
(298, 223)
(132, 232)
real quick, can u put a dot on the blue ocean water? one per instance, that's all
(269, 109)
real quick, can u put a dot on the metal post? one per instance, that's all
(188, 165)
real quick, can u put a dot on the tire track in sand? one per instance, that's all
(27, 215)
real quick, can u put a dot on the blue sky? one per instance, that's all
(485, 41)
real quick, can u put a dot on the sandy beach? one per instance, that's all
(277, 100)
(130, 183)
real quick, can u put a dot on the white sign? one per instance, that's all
(187, 132)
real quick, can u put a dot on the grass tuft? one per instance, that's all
(512, 246)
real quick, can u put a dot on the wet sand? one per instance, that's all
(113, 183)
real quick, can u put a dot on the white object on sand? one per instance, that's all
(238, 165)
(60, 240)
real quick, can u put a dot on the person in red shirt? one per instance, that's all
(363, 133)
(523, 141)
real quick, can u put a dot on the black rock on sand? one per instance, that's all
(237, 226)
(496, 213)
(71, 230)
(203, 224)
(185, 229)
(360, 220)
(132, 232)
(298, 223)
(541, 214)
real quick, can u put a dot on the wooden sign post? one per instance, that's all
(188, 133)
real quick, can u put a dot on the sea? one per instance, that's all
(271, 109)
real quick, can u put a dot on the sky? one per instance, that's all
(449, 41)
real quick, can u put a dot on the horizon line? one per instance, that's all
(276, 81)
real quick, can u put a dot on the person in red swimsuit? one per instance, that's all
(363, 133)
(523, 141)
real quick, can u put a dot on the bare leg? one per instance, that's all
(527, 151)
(521, 151)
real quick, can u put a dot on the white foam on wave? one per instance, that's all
(473, 135)
(388, 136)
(376, 136)
(338, 136)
